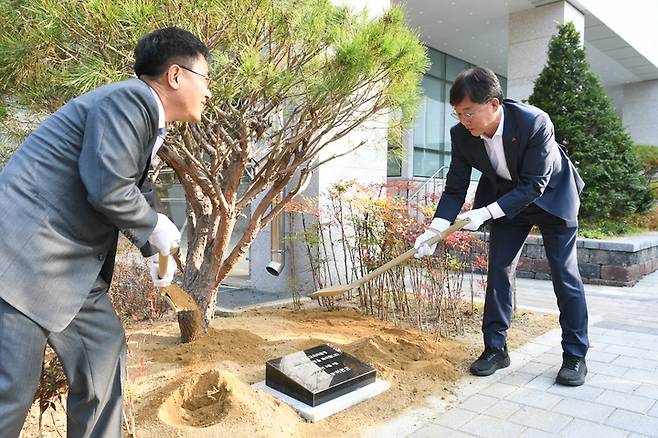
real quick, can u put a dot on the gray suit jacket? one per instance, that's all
(77, 180)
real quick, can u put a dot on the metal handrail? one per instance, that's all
(429, 180)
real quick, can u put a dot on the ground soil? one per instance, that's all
(203, 389)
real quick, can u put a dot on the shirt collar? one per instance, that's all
(161, 113)
(499, 130)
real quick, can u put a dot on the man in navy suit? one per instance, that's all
(527, 180)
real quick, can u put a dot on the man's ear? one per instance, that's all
(173, 73)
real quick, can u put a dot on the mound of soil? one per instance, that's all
(202, 389)
(218, 398)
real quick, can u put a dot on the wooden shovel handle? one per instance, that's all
(408, 254)
(163, 265)
(163, 262)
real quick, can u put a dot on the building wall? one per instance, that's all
(529, 33)
(367, 164)
(640, 111)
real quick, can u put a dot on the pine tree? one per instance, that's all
(587, 124)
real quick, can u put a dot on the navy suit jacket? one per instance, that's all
(540, 169)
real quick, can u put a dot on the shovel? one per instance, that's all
(174, 295)
(339, 289)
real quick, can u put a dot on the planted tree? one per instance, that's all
(592, 131)
(290, 78)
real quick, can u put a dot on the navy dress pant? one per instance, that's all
(505, 244)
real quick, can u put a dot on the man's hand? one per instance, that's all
(155, 274)
(165, 237)
(437, 226)
(477, 217)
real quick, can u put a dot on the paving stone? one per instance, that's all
(551, 338)
(431, 431)
(654, 411)
(625, 401)
(549, 359)
(641, 376)
(646, 390)
(455, 418)
(606, 369)
(619, 397)
(633, 422)
(637, 363)
(457, 434)
(535, 433)
(537, 399)
(534, 368)
(601, 356)
(583, 409)
(581, 428)
(540, 419)
(584, 392)
(478, 403)
(499, 390)
(487, 427)
(518, 379)
(503, 409)
(543, 382)
(620, 384)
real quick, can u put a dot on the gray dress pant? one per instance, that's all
(92, 351)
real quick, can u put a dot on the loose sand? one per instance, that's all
(203, 389)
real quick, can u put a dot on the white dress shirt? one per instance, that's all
(496, 152)
(162, 130)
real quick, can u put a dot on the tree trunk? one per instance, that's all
(190, 325)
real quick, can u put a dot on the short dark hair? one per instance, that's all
(157, 50)
(479, 84)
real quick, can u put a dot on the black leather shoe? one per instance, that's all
(490, 360)
(573, 370)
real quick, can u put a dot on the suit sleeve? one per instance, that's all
(536, 168)
(457, 182)
(149, 194)
(117, 132)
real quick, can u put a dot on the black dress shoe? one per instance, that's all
(573, 370)
(490, 360)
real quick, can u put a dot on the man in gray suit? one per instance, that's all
(77, 180)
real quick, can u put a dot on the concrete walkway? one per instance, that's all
(619, 398)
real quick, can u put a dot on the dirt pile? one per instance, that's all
(409, 353)
(218, 401)
(238, 345)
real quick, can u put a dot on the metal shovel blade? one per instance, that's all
(176, 297)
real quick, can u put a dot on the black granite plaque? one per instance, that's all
(317, 375)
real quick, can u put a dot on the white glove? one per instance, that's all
(477, 217)
(165, 237)
(437, 226)
(155, 274)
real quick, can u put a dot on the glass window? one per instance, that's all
(393, 166)
(437, 63)
(426, 162)
(428, 129)
(431, 130)
(455, 66)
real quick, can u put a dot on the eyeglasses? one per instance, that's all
(206, 78)
(467, 116)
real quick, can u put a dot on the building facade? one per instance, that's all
(510, 37)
